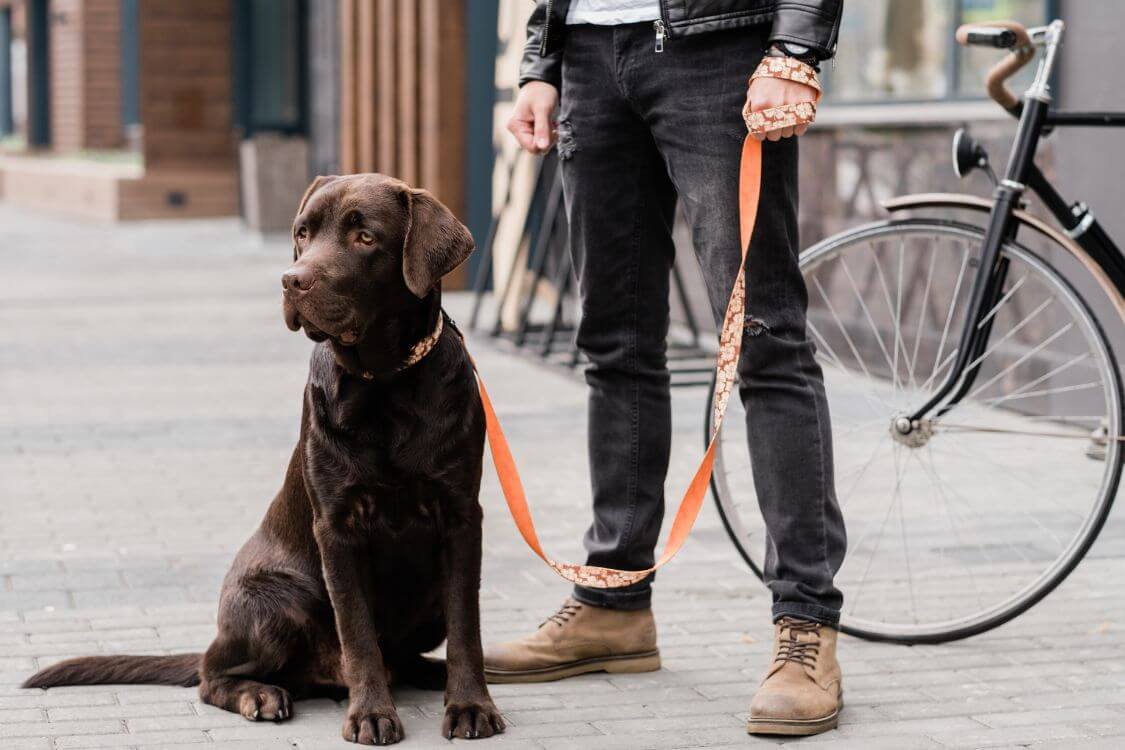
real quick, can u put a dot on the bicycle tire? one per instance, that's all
(1058, 572)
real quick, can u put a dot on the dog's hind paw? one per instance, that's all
(265, 703)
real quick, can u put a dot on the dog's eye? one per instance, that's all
(367, 238)
(302, 232)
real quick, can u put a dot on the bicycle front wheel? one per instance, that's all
(975, 516)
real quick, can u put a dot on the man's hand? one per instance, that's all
(533, 116)
(764, 93)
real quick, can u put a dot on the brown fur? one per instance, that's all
(370, 554)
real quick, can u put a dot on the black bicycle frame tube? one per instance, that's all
(1085, 119)
(1082, 227)
(989, 282)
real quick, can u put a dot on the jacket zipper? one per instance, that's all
(661, 34)
(546, 28)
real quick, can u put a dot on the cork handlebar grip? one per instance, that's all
(1022, 51)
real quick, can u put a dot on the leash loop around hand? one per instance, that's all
(765, 121)
(726, 377)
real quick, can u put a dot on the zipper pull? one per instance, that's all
(658, 26)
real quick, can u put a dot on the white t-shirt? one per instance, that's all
(612, 12)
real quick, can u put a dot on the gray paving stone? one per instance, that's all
(12, 715)
(60, 728)
(129, 740)
(136, 710)
(26, 743)
(228, 745)
(1008, 736)
(1103, 743)
(49, 698)
(1075, 715)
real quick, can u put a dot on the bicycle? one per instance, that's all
(970, 383)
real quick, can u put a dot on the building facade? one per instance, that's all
(127, 109)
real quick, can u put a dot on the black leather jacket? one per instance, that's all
(813, 23)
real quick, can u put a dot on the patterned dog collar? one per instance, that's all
(418, 351)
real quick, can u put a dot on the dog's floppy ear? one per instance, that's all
(317, 183)
(436, 242)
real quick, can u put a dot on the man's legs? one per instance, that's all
(781, 383)
(620, 205)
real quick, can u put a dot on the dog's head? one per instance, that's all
(366, 246)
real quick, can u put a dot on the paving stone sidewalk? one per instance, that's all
(149, 396)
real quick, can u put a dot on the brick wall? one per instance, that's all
(185, 82)
(66, 75)
(85, 75)
(101, 29)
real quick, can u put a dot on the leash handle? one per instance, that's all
(730, 347)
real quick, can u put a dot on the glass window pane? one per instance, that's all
(973, 62)
(892, 49)
(275, 68)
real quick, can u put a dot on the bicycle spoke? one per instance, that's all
(1015, 329)
(948, 361)
(871, 322)
(946, 507)
(1044, 392)
(900, 340)
(949, 316)
(894, 321)
(906, 547)
(922, 308)
(1023, 388)
(879, 403)
(882, 527)
(1026, 356)
(1030, 487)
(860, 472)
(989, 500)
(996, 308)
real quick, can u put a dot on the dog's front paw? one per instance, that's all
(373, 725)
(471, 718)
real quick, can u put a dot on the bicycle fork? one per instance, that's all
(988, 286)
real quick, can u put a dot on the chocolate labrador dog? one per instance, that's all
(370, 554)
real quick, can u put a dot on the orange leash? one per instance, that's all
(730, 347)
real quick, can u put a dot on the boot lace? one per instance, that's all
(798, 651)
(560, 618)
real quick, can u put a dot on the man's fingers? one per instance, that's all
(542, 128)
(524, 133)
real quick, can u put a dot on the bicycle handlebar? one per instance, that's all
(1004, 34)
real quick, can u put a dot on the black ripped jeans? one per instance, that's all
(637, 130)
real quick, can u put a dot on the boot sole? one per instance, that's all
(649, 661)
(795, 727)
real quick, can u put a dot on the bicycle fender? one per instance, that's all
(966, 202)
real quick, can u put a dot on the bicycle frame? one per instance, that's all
(1021, 174)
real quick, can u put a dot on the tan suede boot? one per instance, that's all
(803, 690)
(577, 639)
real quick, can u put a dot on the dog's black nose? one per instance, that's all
(298, 279)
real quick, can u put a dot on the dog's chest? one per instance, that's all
(374, 488)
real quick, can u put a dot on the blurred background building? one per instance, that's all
(117, 110)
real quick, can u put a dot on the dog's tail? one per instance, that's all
(182, 670)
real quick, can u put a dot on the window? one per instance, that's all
(269, 59)
(904, 49)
